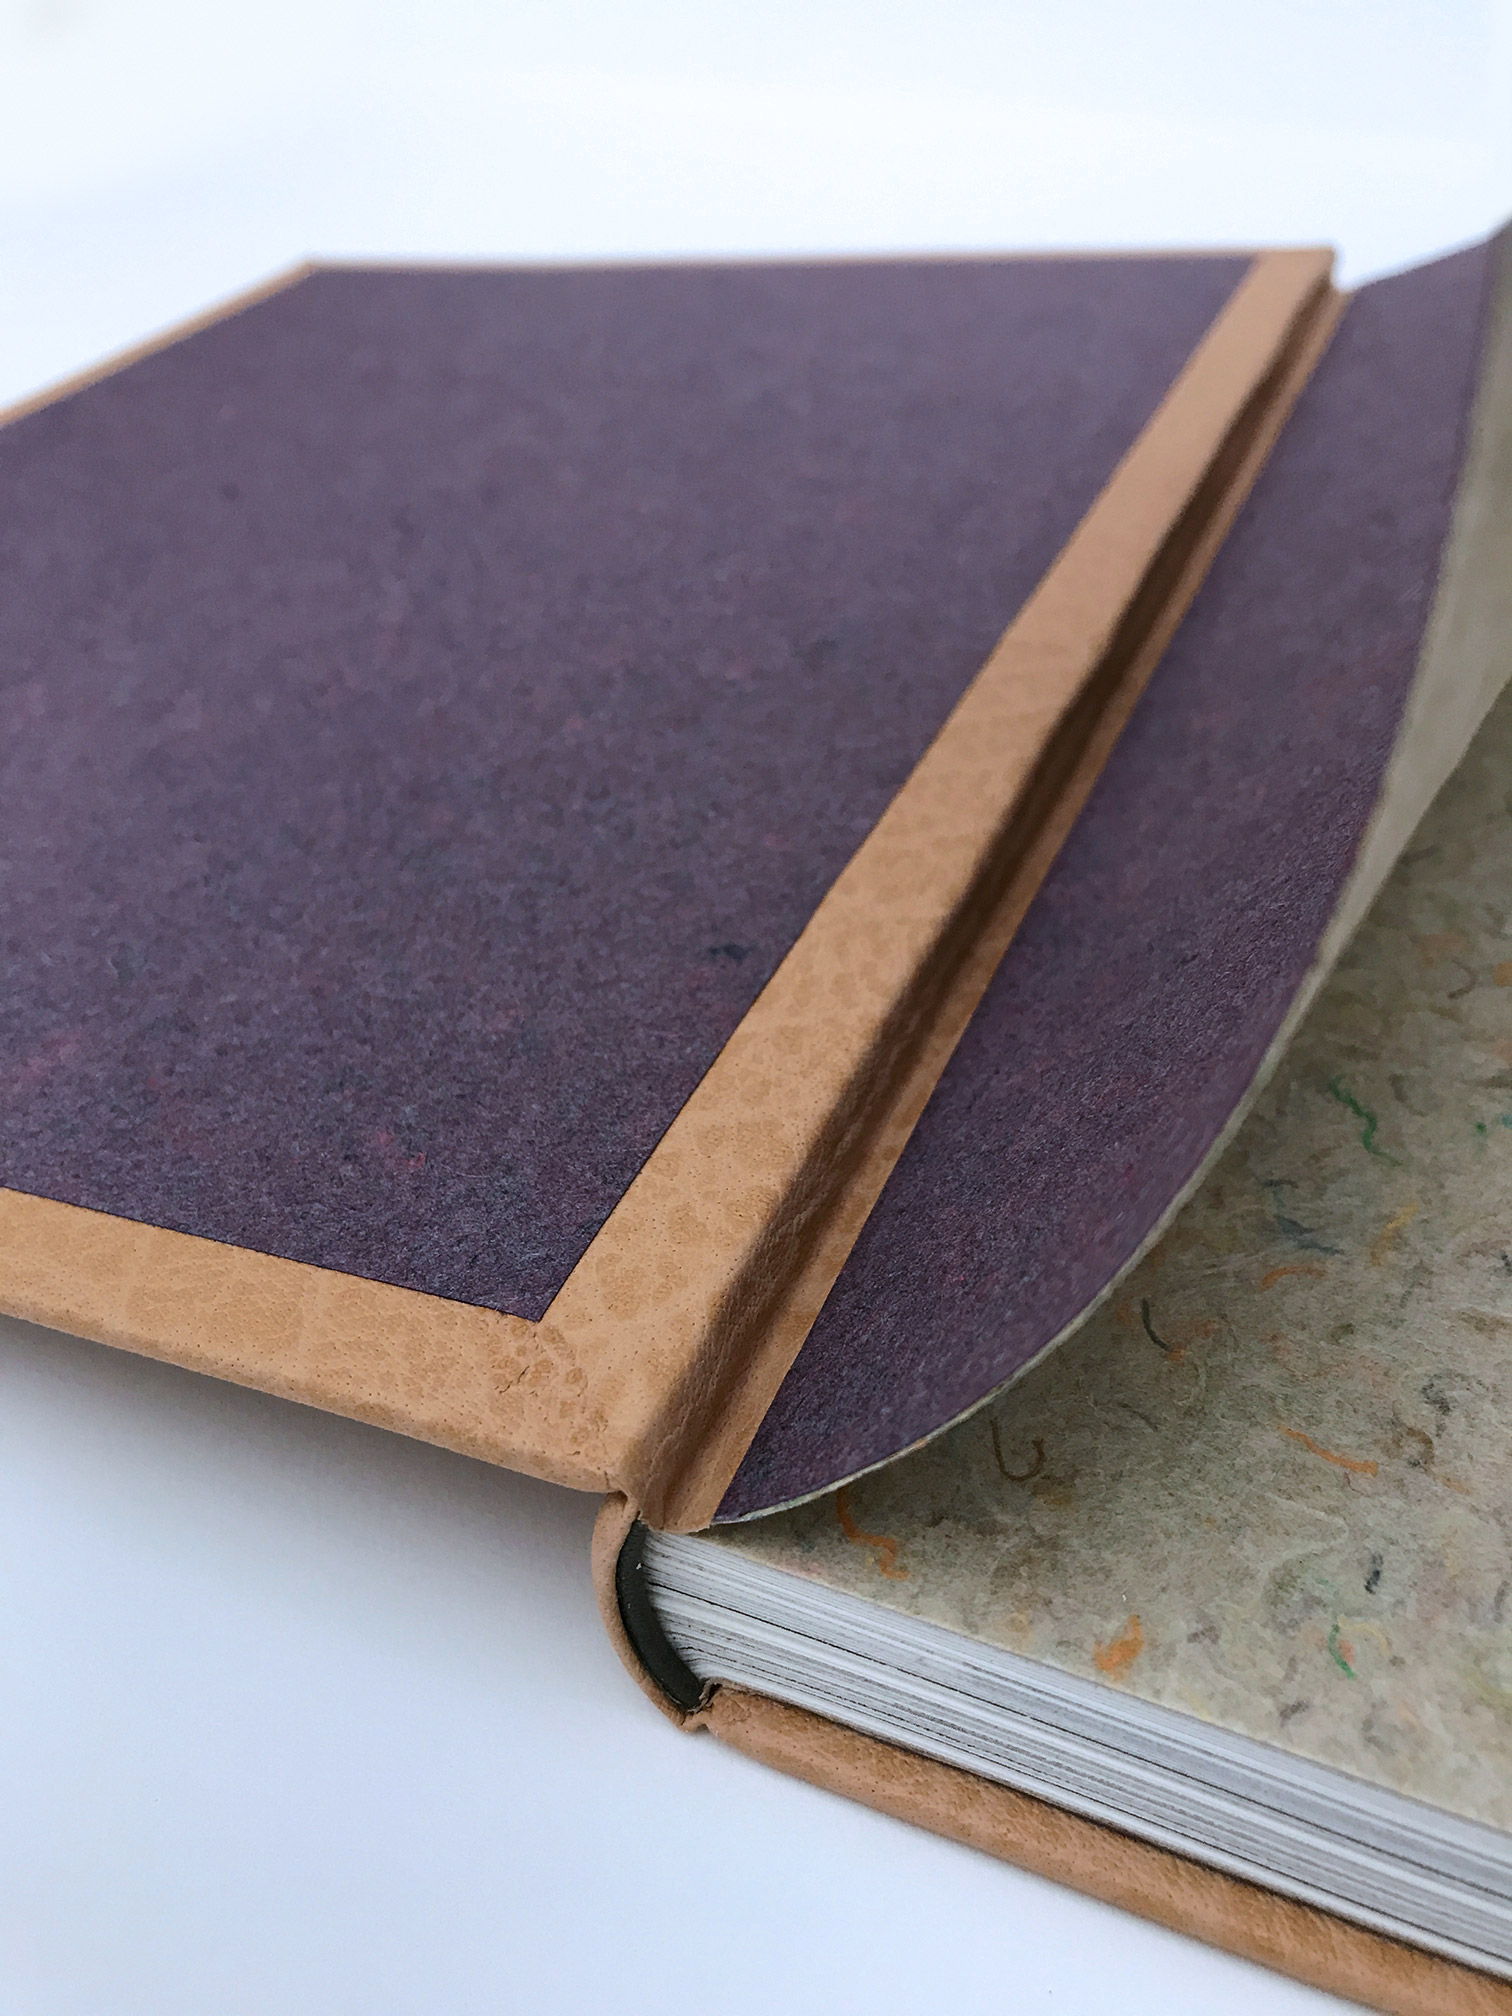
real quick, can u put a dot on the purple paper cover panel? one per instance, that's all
(431, 704)
(1137, 1002)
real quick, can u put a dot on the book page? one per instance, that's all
(1270, 1484)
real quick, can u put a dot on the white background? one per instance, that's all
(296, 1717)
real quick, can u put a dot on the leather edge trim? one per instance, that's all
(1299, 1940)
(468, 1379)
(121, 360)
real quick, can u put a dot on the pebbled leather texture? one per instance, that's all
(1257, 1924)
(468, 1379)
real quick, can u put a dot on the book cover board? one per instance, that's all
(518, 782)
(506, 784)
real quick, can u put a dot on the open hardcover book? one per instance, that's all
(868, 906)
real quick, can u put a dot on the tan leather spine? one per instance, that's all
(1296, 1939)
(753, 1382)
(694, 1298)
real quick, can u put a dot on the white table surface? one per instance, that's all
(299, 1717)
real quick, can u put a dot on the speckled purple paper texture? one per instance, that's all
(1144, 988)
(431, 704)
(1270, 1484)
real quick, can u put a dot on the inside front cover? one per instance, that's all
(1147, 985)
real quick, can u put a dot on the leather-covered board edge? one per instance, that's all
(1300, 1940)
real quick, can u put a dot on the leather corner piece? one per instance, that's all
(468, 1379)
(1299, 1940)
(695, 1296)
